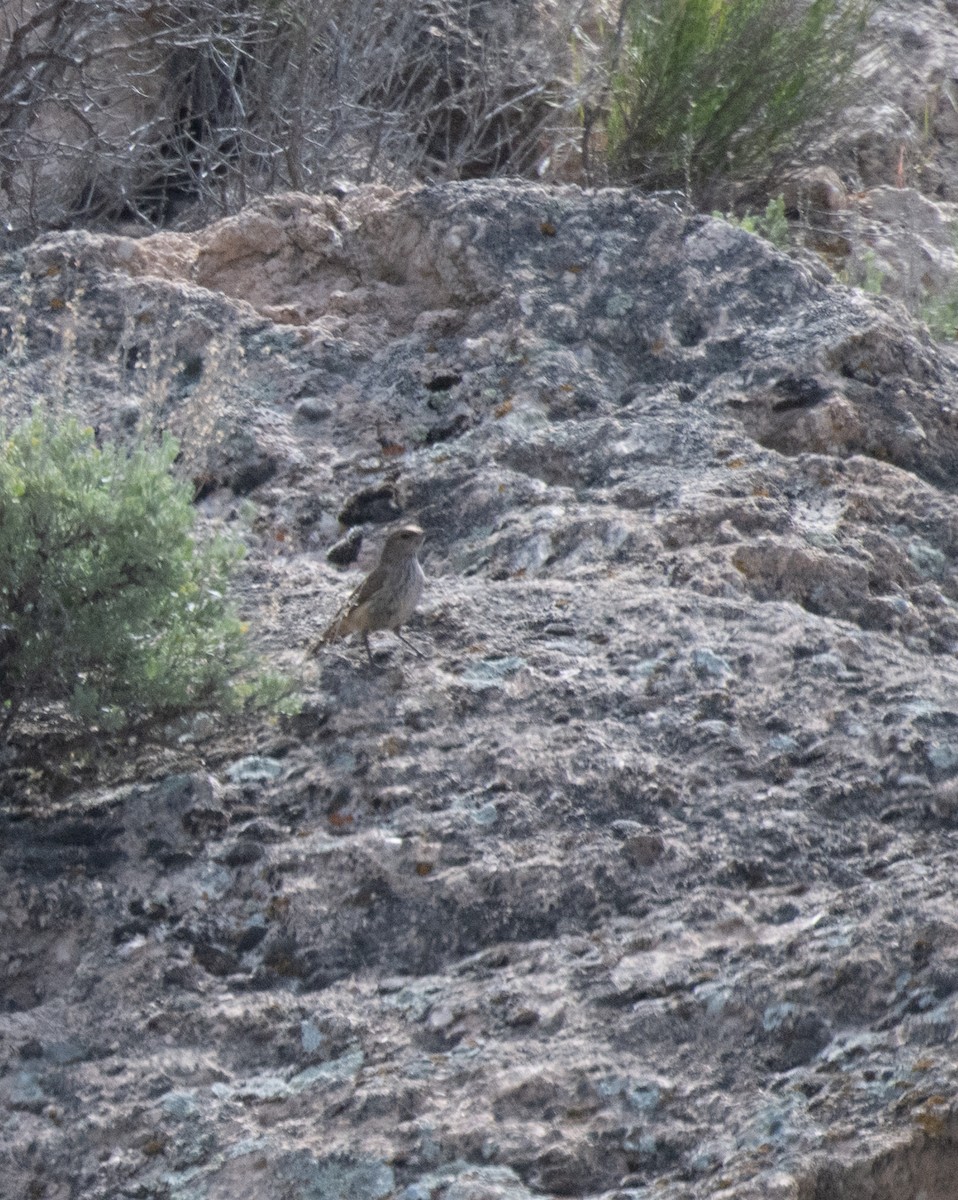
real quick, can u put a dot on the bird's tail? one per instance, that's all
(332, 633)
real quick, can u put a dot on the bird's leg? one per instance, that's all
(415, 649)
(369, 653)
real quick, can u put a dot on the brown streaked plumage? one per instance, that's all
(387, 597)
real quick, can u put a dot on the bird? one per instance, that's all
(386, 598)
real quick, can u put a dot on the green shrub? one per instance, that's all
(872, 277)
(711, 91)
(772, 225)
(109, 603)
(864, 273)
(940, 314)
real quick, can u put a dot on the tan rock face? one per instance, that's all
(358, 264)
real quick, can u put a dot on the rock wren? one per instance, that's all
(387, 596)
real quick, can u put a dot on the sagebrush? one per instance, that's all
(111, 604)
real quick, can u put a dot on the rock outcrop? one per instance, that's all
(643, 881)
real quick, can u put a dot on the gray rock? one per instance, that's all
(676, 776)
(254, 769)
(345, 552)
(312, 408)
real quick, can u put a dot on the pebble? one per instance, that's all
(254, 769)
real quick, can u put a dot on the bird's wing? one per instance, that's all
(372, 583)
(359, 595)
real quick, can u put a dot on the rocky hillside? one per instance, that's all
(641, 882)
